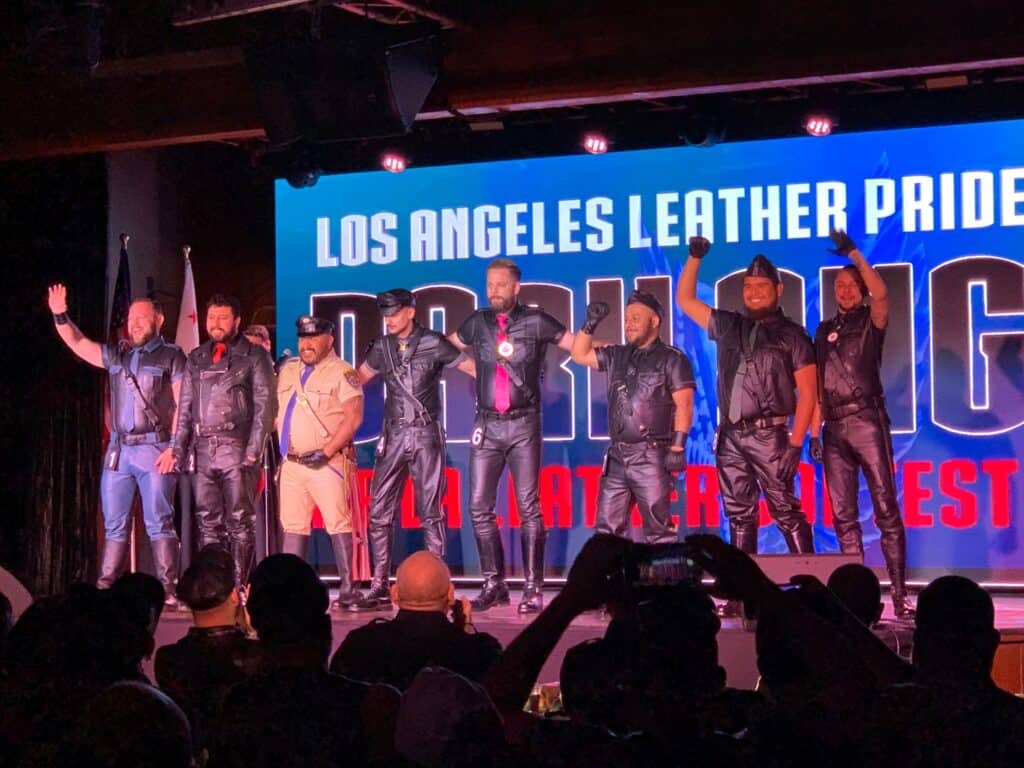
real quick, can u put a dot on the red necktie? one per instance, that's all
(218, 351)
(502, 401)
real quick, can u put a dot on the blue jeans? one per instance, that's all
(117, 492)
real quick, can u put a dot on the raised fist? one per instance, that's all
(844, 245)
(699, 247)
(58, 299)
(596, 312)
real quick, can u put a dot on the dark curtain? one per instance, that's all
(53, 228)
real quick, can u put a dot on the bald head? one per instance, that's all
(423, 583)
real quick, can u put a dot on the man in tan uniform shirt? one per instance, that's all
(321, 407)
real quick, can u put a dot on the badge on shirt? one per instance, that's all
(833, 337)
(352, 377)
(505, 349)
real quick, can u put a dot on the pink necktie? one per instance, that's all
(501, 394)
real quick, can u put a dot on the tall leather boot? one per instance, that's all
(800, 541)
(744, 538)
(112, 563)
(295, 544)
(532, 539)
(379, 596)
(894, 549)
(165, 561)
(341, 543)
(492, 564)
(242, 554)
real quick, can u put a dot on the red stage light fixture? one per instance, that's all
(595, 143)
(818, 125)
(393, 162)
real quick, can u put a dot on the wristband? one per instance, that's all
(61, 318)
(679, 439)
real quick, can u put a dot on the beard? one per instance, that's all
(500, 304)
(762, 312)
(144, 339)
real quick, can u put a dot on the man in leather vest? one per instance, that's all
(852, 404)
(650, 410)
(145, 385)
(766, 379)
(320, 402)
(508, 342)
(226, 414)
(411, 359)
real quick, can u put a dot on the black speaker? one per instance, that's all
(320, 91)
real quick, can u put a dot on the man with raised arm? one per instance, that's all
(856, 434)
(767, 390)
(508, 342)
(145, 385)
(650, 410)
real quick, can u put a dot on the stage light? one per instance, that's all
(393, 162)
(818, 125)
(595, 143)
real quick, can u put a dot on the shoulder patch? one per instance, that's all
(352, 377)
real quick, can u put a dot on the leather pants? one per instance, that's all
(225, 499)
(748, 462)
(416, 451)
(517, 443)
(862, 442)
(636, 472)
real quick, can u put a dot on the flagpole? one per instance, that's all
(187, 338)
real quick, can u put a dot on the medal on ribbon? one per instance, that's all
(505, 349)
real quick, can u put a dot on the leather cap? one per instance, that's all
(391, 301)
(308, 325)
(761, 267)
(208, 581)
(648, 300)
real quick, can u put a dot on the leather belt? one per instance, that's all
(748, 425)
(419, 421)
(143, 438)
(219, 429)
(516, 413)
(848, 409)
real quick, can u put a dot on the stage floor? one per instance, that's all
(735, 644)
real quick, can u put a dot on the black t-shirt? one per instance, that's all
(417, 362)
(858, 346)
(530, 331)
(781, 347)
(640, 387)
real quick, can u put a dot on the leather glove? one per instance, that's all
(789, 463)
(699, 247)
(596, 312)
(844, 245)
(314, 459)
(675, 461)
(817, 450)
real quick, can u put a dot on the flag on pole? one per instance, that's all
(187, 336)
(122, 299)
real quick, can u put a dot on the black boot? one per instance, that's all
(800, 541)
(532, 539)
(295, 544)
(379, 596)
(242, 554)
(894, 549)
(435, 537)
(112, 563)
(492, 563)
(165, 561)
(744, 538)
(341, 543)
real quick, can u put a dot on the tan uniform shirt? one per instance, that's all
(320, 402)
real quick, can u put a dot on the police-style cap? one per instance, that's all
(208, 581)
(648, 300)
(761, 267)
(391, 301)
(308, 325)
